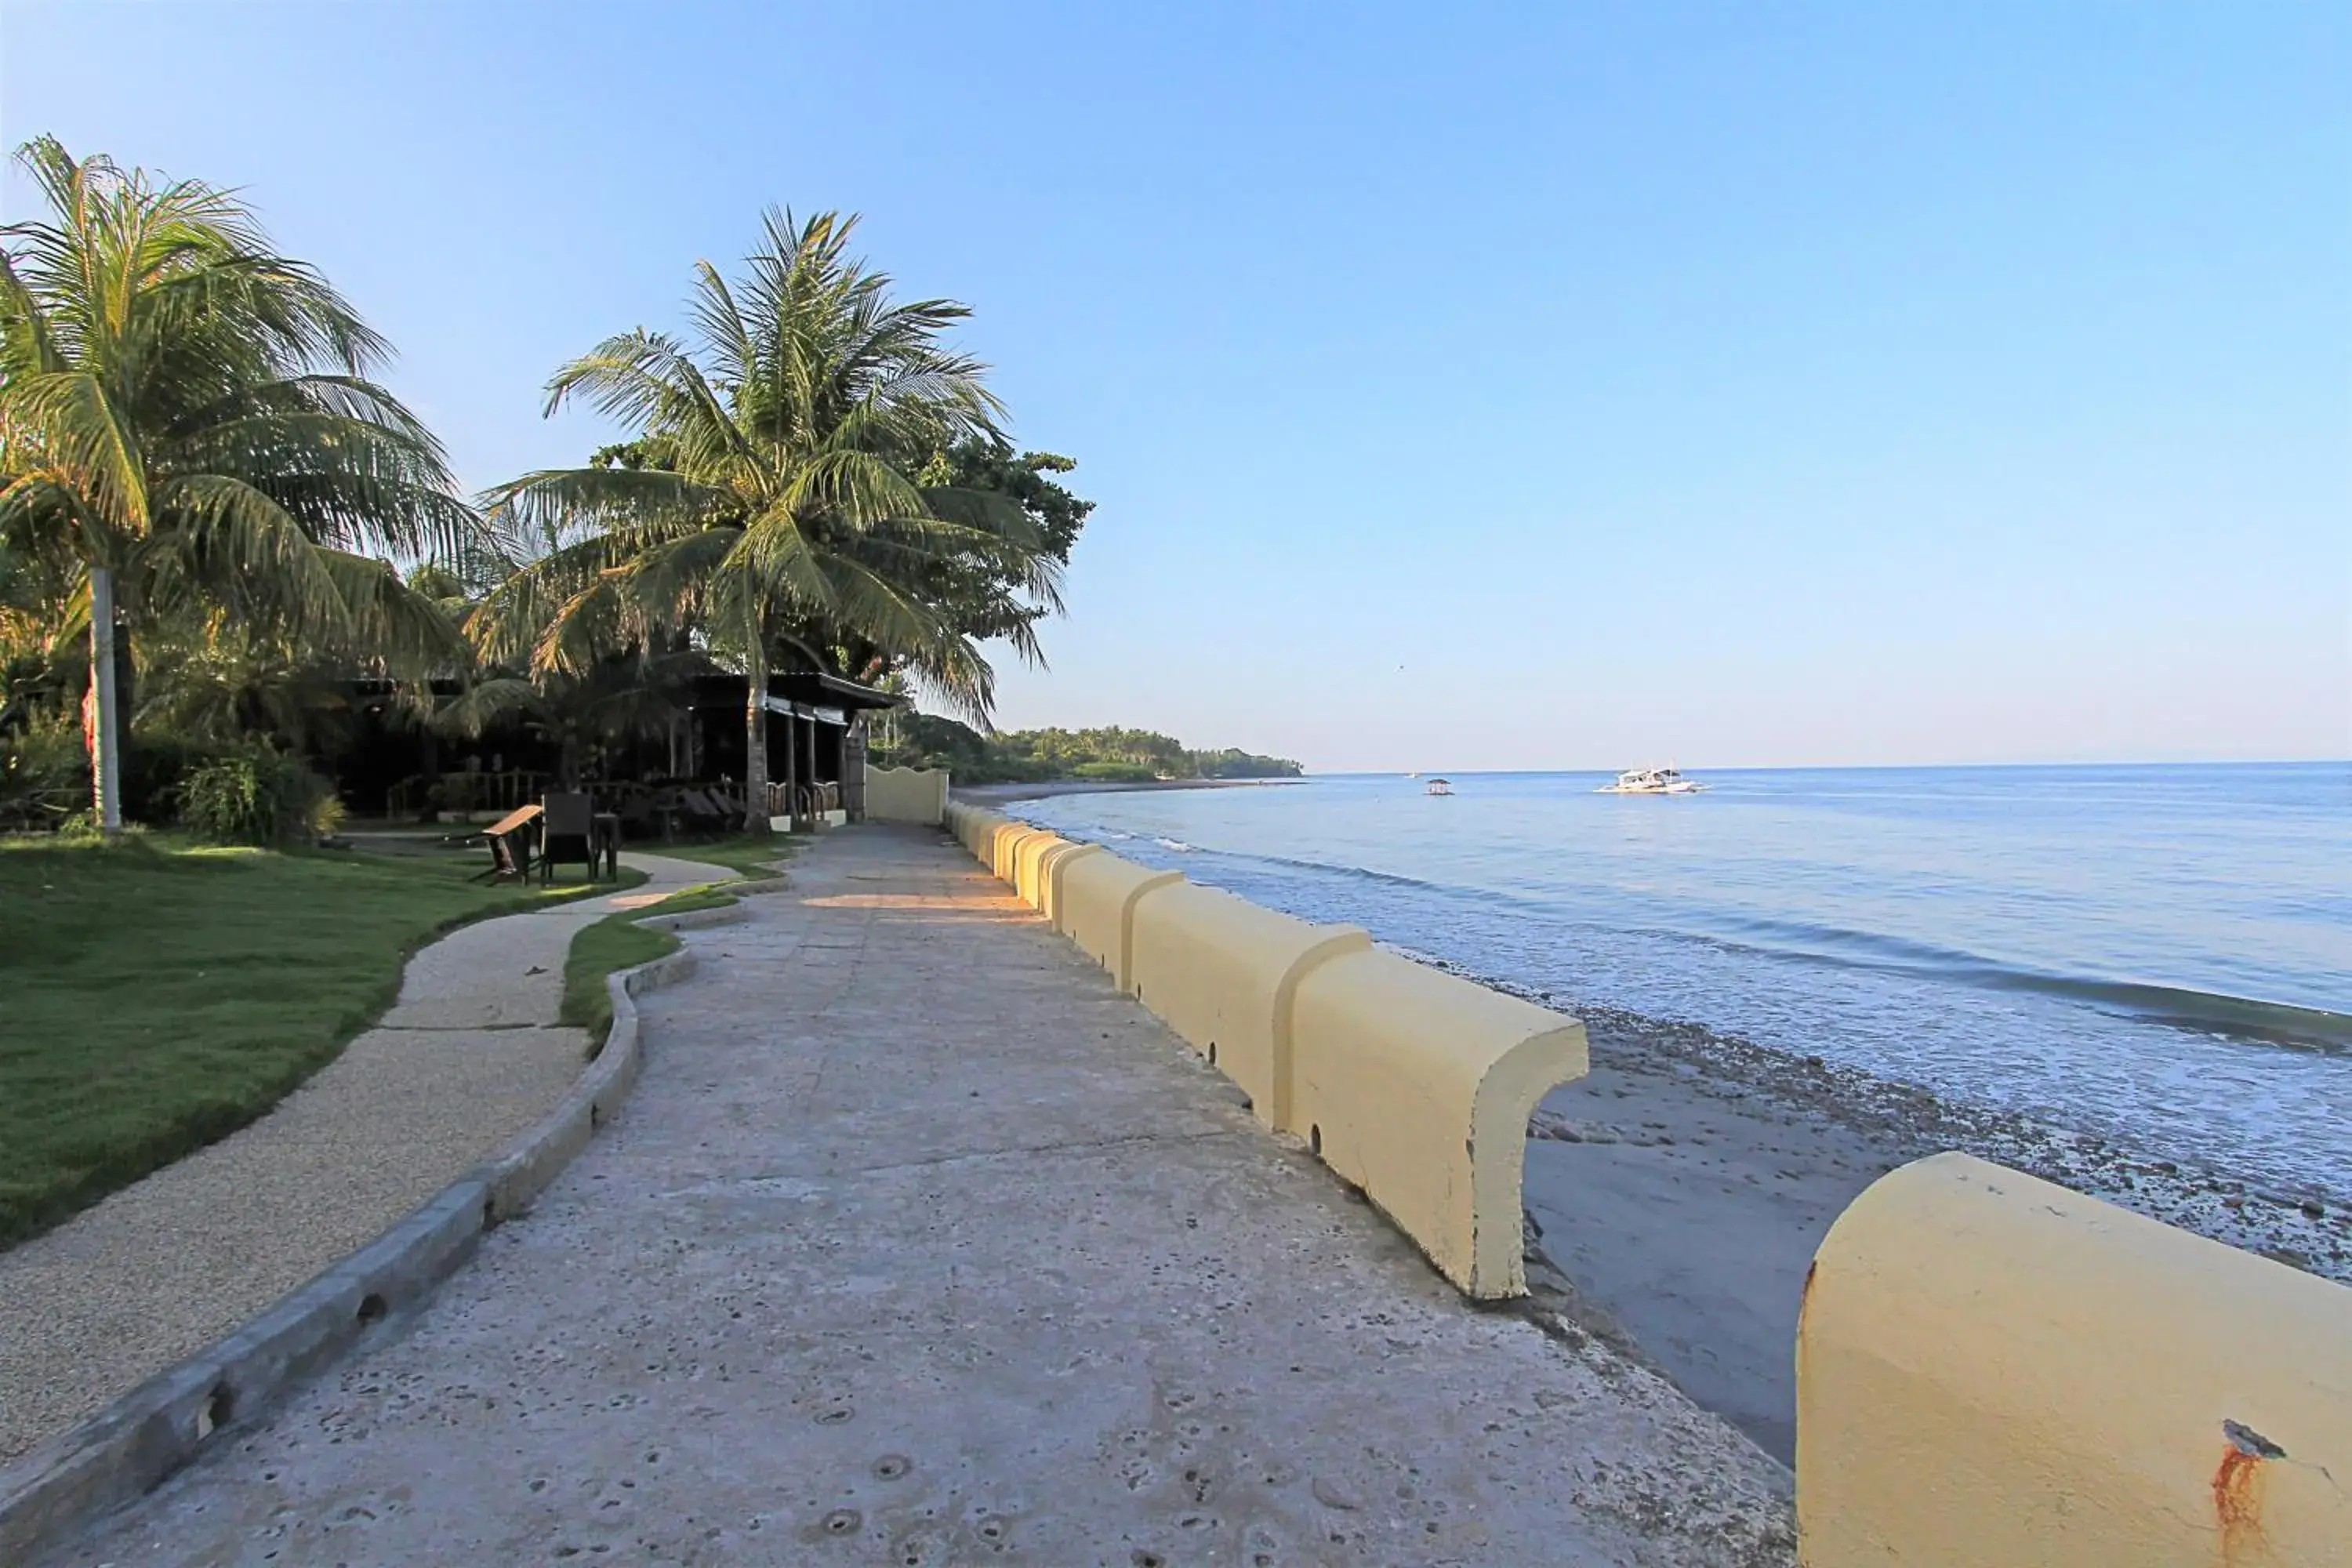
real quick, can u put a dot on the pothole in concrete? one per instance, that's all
(835, 1417)
(218, 1405)
(843, 1521)
(890, 1467)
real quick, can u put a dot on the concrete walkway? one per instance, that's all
(468, 1057)
(918, 1244)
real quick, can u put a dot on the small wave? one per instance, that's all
(2243, 1018)
(1176, 844)
(2239, 1018)
(1357, 874)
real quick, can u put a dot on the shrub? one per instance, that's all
(257, 795)
(44, 775)
(154, 764)
(1115, 773)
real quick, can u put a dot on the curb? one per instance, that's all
(133, 1445)
(695, 920)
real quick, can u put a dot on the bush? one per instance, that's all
(1115, 773)
(154, 764)
(257, 795)
(44, 775)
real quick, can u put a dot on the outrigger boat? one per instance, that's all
(1652, 781)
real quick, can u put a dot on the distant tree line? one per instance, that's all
(922, 740)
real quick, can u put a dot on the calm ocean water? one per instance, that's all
(2160, 954)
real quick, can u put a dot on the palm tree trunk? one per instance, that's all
(105, 729)
(755, 730)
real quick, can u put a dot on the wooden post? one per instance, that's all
(791, 774)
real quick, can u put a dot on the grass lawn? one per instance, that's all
(617, 942)
(744, 853)
(155, 998)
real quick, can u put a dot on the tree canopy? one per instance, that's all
(219, 530)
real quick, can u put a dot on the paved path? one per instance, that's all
(468, 1057)
(918, 1244)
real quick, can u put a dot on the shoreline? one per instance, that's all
(1049, 789)
(1675, 1195)
(1681, 1188)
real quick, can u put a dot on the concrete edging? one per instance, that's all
(136, 1443)
(695, 920)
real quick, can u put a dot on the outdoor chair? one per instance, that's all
(567, 835)
(705, 814)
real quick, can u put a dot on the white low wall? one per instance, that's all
(905, 795)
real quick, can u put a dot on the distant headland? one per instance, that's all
(1040, 756)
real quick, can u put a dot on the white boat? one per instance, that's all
(1438, 786)
(1652, 781)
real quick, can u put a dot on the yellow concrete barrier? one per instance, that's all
(1026, 863)
(1004, 851)
(1050, 874)
(979, 830)
(1222, 972)
(1095, 907)
(1416, 1086)
(1996, 1373)
(1033, 861)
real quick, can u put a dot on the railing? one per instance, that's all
(803, 800)
(464, 791)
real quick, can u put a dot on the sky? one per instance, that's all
(1551, 387)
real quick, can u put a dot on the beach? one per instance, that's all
(1754, 1071)
(1681, 1188)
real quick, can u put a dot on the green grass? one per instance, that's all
(749, 855)
(617, 942)
(155, 998)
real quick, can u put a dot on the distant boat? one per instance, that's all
(1412, 775)
(1438, 786)
(1652, 781)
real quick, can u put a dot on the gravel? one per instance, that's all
(468, 1057)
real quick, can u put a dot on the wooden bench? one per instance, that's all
(510, 838)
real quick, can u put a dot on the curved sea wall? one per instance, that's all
(1413, 1085)
(1992, 1372)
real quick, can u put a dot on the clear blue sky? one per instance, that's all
(1560, 386)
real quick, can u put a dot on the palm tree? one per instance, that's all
(187, 416)
(775, 507)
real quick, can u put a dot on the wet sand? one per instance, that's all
(1684, 1210)
(1681, 1186)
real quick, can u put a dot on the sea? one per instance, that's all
(2160, 955)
